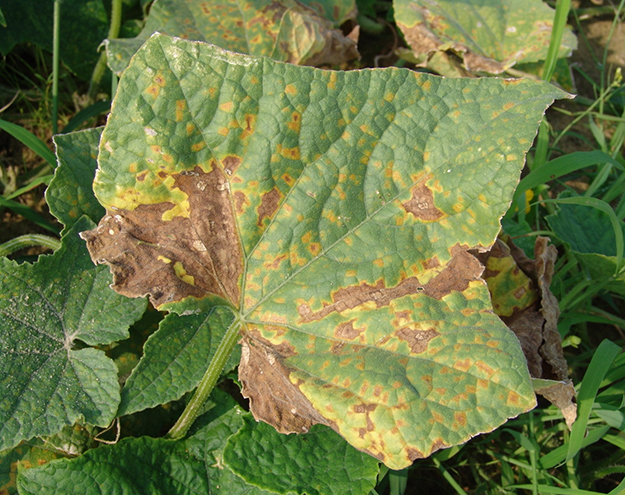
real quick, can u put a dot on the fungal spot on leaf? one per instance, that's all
(417, 339)
(421, 204)
(347, 331)
(268, 205)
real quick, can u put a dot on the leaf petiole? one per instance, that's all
(204, 389)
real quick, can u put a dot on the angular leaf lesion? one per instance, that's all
(188, 256)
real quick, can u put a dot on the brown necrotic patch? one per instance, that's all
(421, 204)
(269, 203)
(274, 399)
(147, 254)
(461, 269)
(417, 339)
(347, 331)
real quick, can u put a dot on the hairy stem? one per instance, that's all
(28, 241)
(208, 382)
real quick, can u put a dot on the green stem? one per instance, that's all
(100, 68)
(55, 65)
(559, 25)
(208, 382)
(29, 240)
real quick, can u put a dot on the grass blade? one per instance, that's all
(561, 166)
(599, 365)
(559, 25)
(29, 214)
(30, 140)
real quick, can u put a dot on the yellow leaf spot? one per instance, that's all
(389, 97)
(181, 273)
(291, 153)
(181, 106)
(153, 90)
(159, 79)
(223, 131)
(190, 128)
(290, 89)
(307, 237)
(132, 168)
(426, 85)
(510, 158)
(378, 262)
(198, 146)
(314, 248)
(482, 198)
(351, 273)
(508, 105)
(296, 122)
(226, 107)
(332, 83)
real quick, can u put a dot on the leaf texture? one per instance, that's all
(334, 213)
(45, 310)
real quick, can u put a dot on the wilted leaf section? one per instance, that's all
(461, 38)
(285, 30)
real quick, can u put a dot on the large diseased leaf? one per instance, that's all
(284, 30)
(44, 310)
(488, 35)
(333, 212)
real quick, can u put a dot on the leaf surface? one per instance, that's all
(315, 463)
(338, 11)
(333, 212)
(70, 194)
(284, 30)
(45, 310)
(489, 35)
(175, 359)
(151, 466)
(590, 234)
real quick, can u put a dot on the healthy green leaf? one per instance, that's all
(175, 359)
(46, 310)
(70, 194)
(490, 35)
(84, 25)
(591, 235)
(284, 30)
(313, 463)
(150, 466)
(333, 212)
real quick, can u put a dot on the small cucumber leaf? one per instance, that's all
(70, 194)
(175, 359)
(591, 235)
(45, 311)
(315, 463)
(151, 466)
(284, 30)
(488, 36)
(334, 213)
